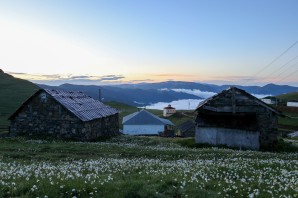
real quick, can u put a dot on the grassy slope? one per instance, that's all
(291, 121)
(13, 92)
(289, 96)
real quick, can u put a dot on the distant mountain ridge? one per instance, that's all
(130, 96)
(270, 89)
(147, 93)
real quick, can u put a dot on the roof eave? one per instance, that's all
(23, 104)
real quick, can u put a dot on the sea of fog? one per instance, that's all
(189, 104)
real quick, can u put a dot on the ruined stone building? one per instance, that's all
(64, 114)
(236, 118)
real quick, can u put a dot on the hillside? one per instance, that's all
(13, 92)
(288, 96)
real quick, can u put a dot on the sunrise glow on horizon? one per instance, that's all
(106, 42)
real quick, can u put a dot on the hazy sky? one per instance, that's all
(109, 41)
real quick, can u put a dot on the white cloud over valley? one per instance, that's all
(196, 92)
(186, 104)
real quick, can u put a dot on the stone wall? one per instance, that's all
(43, 115)
(107, 126)
(268, 127)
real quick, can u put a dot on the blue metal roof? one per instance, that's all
(144, 117)
(81, 105)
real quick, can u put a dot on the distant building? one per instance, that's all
(64, 114)
(145, 123)
(268, 100)
(271, 100)
(168, 111)
(236, 118)
(292, 103)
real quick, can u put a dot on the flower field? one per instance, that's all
(141, 167)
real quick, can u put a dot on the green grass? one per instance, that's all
(290, 122)
(123, 108)
(128, 166)
(13, 92)
(288, 96)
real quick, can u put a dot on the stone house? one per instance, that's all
(145, 123)
(64, 114)
(237, 119)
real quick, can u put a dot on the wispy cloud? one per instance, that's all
(196, 92)
(111, 77)
(172, 75)
(140, 81)
(16, 73)
(80, 77)
(69, 78)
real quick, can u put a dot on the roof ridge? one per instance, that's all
(255, 99)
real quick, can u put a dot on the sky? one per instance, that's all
(114, 41)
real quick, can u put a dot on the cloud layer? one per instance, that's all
(196, 92)
(57, 79)
(186, 104)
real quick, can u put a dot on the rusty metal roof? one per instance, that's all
(81, 105)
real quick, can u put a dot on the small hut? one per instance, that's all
(237, 119)
(64, 114)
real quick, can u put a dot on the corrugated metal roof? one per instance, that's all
(144, 117)
(81, 105)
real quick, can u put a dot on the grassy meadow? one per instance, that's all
(288, 96)
(127, 166)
